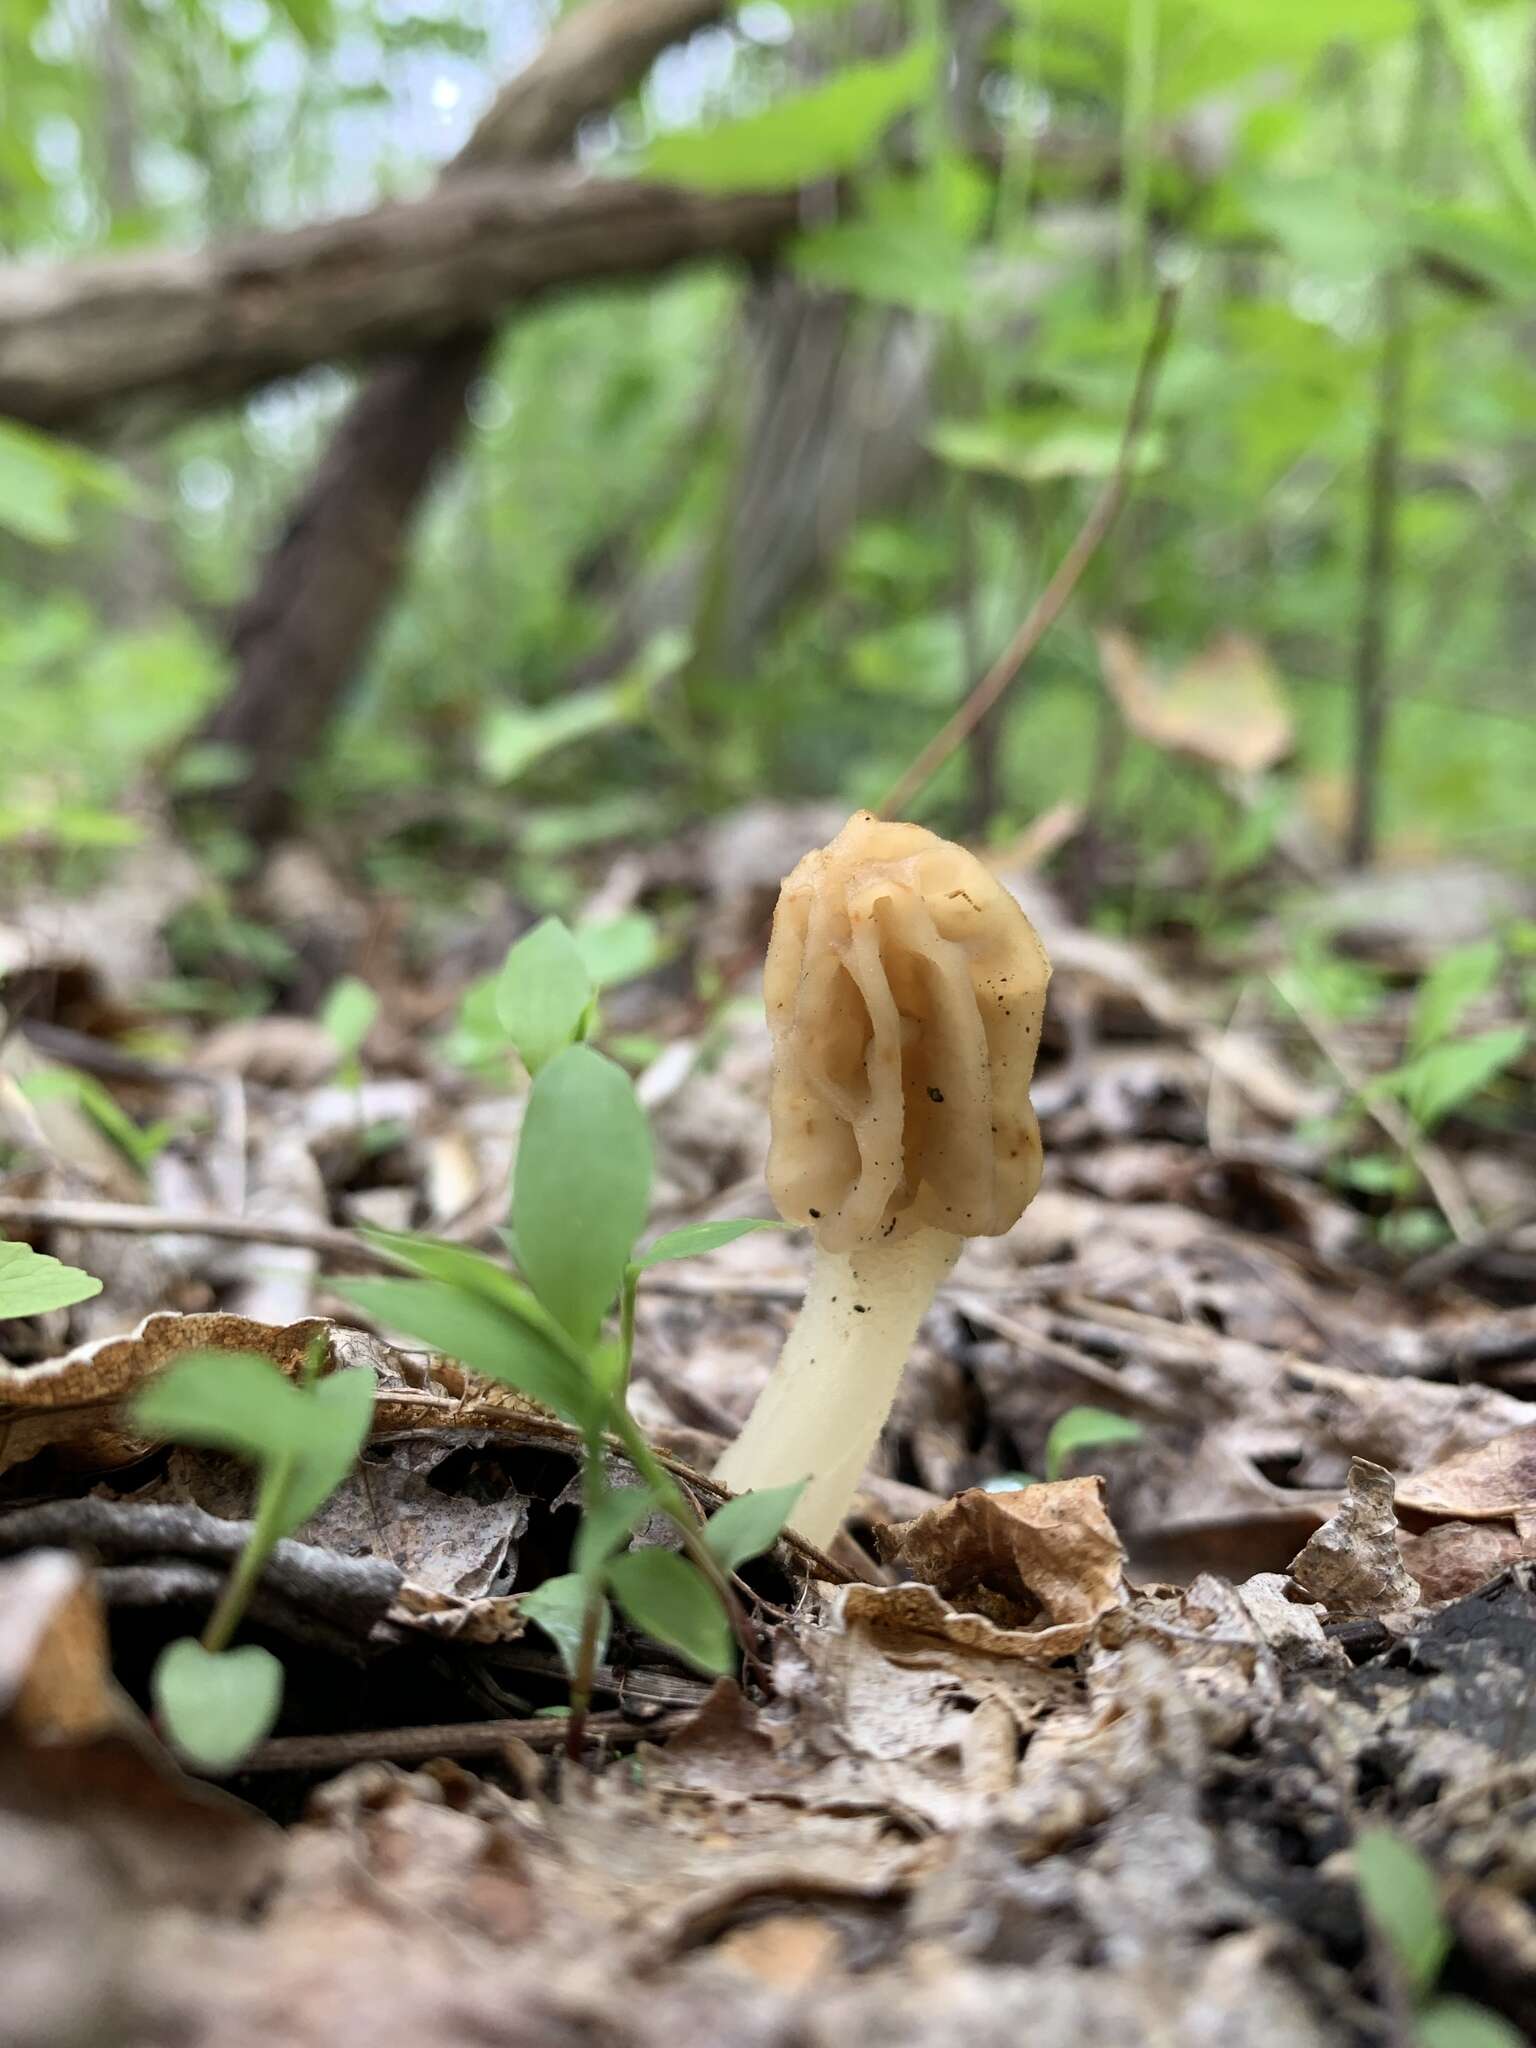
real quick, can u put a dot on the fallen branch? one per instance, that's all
(80, 342)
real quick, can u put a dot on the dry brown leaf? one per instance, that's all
(1455, 1558)
(1224, 707)
(55, 1671)
(72, 1404)
(1352, 1565)
(1494, 1482)
(74, 1753)
(1040, 1566)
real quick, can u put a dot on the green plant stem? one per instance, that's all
(265, 1535)
(269, 1527)
(1372, 689)
(592, 1608)
(627, 1327)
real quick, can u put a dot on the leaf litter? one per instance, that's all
(1066, 1761)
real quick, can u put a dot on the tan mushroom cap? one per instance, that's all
(905, 991)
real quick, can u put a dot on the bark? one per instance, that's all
(80, 342)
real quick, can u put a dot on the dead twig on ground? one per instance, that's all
(450, 1738)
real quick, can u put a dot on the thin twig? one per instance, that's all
(137, 1219)
(1052, 601)
(453, 1738)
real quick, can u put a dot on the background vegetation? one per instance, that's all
(592, 643)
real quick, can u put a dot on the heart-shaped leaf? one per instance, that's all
(217, 1704)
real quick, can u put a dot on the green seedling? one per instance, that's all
(217, 1703)
(1082, 1429)
(1079, 1429)
(560, 1330)
(1402, 1899)
(348, 1015)
(1443, 1068)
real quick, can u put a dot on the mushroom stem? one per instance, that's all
(827, 1399)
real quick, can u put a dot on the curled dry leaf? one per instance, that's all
(1022, 1574)
(1494, 1482)
(1352, 1565)
(1224, 707)
(72, 1403)
(76, 1758)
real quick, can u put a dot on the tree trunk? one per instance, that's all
(306, 627)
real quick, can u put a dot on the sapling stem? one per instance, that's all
(268, 1527)
(592, 1609)
(828, 1397)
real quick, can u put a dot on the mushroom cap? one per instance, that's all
(905, 992)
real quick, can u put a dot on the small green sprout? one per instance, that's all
(217, 1703)
(1402, 1898)
(580, 1195)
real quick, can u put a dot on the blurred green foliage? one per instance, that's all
(1018, 226)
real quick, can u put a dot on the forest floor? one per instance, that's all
(1087, 1760)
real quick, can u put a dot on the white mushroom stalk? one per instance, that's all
(905, 990)
(822, 1411)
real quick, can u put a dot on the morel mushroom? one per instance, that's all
(905, 991)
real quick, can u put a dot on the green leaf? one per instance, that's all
(559, 1608)
(31, 1282)
(471, 1272)
(821, 133)
(480, 1335)
(515, 736)
(348, 1014)
(605, 1527)
(1080, 1429)
(619, 949)
(141, 1146)
(229, 1400)
(338, 1411)
(1038, 447)
(580, 1186)
(543, 993)
(1441, 1079)
(41, 479)
(666, 1598)
(750, 1524)
(1402, 1896)
(1346, 226)
(1458, 2023)
(1451, 986)
(693, 1239)
(908, 245)
(216, 1705)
